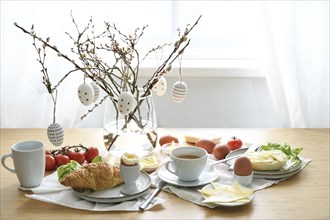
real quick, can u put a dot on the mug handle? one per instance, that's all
(167, 166)
(3, 159)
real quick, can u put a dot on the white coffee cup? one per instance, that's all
(29, 162)
(187, 163)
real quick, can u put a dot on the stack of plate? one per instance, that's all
(114, 195)
(265, 174)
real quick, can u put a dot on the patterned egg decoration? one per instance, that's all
(96, 89)
(125, 103)
(179, 91)
(55, 133)
(160, 87)
(86, 94)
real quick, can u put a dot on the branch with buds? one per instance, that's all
(115, 74)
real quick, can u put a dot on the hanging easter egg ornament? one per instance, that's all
(179, 91)
(86, 94)
(125, 103)
(96, 89)
(160, 87)
(55, 133)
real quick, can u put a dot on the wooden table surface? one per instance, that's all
(303, 196)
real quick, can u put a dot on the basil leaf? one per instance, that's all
(64, 170)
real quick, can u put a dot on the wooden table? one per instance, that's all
(303, 196)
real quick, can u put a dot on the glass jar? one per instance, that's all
(133, 133)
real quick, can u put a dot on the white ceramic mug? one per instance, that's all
(187, 163)
(29, 162)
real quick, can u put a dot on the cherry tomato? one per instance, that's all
(50, 163)
(61, 159)
(70, 154)
(91, 153)
(234, 143)
(79, 157)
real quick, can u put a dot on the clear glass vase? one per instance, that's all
(135, 132)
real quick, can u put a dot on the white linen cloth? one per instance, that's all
(51, 191)
(225, 177)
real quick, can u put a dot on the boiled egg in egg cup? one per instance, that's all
(243, 171)
(130, 172)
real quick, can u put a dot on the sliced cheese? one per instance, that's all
(225, 194)
(192, 139)
(148, 162)
(267, 160)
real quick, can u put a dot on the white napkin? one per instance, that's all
(53, 192)
(225, 177)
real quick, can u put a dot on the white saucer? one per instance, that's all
(235, 203)
(208, 175)
(114, 195)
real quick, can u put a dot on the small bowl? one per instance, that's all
(167, 148)
(244, 180)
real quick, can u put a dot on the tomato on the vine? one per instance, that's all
(48, 152)
(50, 163)
(78, 156)
(70, 154)
(91, 153)
(61, 159)
(234, 143)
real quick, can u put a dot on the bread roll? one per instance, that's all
(94, 176)
(267, 160)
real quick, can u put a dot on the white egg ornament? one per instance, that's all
(96, 89)
(160, 87)
(86, 94)
(125, 103)
(55, 133)
(179, 91)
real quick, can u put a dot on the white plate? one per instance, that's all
(265, 174)
(114, 195)
(208, 175)
(236, 203)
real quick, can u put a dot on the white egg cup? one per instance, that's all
(244, 180)
(130, 175)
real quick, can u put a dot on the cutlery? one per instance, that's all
(146, 203)
(224, 160)
(254, 148)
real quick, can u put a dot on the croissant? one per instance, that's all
(94, 176)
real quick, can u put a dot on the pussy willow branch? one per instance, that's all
(94, 67)
(95, 106)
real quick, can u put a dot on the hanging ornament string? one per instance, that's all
(180, 67)
(54, 108)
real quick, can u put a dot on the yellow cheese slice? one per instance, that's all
(267, 160)
(148, 162)
(225, 194)
(192, 139)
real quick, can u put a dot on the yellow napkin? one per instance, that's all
(218, 193)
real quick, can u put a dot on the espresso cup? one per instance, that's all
(187, 163)
(29, 162)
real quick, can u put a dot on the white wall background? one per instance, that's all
(236, 92)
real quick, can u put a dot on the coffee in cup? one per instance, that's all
(187, 163)
(29, 162)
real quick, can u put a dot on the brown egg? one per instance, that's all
(242, 166)
(206, 144)
(220, 151)
(167, 139)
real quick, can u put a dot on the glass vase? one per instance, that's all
(133, 133)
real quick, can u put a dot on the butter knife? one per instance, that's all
(224, 160)
(146, 203)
